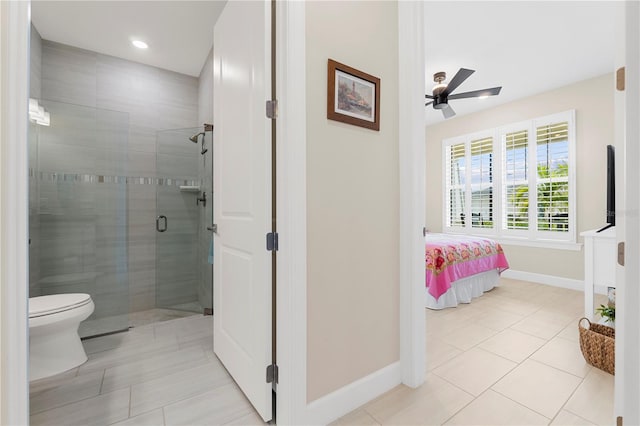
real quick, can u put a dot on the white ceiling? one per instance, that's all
(179, 33)
(525, 47)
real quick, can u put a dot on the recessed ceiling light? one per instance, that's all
(139, 44)
(483, 97)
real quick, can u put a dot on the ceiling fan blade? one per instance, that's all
(448, 112)
(428, 103)
(457, 80)
(477, 93)
(429, 96)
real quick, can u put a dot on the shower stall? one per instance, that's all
(128, 229)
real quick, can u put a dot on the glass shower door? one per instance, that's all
(180, 205)
(78, 211)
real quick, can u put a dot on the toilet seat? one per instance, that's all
(55, 303)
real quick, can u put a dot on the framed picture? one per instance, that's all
(353, 96)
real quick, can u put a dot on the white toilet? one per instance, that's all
(54, 343)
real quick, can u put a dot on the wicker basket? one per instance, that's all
(598, 344)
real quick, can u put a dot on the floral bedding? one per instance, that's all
(449, 258)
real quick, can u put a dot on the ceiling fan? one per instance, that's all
(442, 91)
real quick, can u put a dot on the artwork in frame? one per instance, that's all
(353, 96)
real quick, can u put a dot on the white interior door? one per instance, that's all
(242, 197)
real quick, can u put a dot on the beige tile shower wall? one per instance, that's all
(352, 201)
(593, 101)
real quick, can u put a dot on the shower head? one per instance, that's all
(194, 138)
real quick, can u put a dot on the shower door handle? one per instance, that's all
(164, 228)
(202, 199)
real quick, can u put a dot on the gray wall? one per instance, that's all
(154, 99)
(35, 64)
(35, 82)
(205, 91)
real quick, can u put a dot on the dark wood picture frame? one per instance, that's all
(359, 104)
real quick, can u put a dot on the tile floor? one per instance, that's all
(511, 357)
(157, 374)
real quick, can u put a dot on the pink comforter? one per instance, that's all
(451, 257)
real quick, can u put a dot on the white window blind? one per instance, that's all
(552, 155)
(482, 183)
(516, 180)
(455, 185)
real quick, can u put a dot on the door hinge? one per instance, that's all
(621, 253)
(272, 373)
(272, 109)
(272, 241)
(620, 79)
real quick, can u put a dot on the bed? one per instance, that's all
(460, 268)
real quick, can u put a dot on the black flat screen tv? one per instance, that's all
(611, 188)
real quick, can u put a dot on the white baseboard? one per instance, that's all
(551, 280)
(346, 399)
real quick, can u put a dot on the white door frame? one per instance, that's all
(291, 205)
(15, 28)
(627, 378)
(411, 63)
(292, 406)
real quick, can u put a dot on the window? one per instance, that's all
(469, 178)
(552, 152)
(516, 180)
(513, 182)
(482, 183)
(456, 185)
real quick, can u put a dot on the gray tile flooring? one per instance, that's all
(93, 327)
(150, 316)
(163, 373)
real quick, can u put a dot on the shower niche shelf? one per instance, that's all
(189, 188)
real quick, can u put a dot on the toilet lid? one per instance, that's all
(54, 303)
